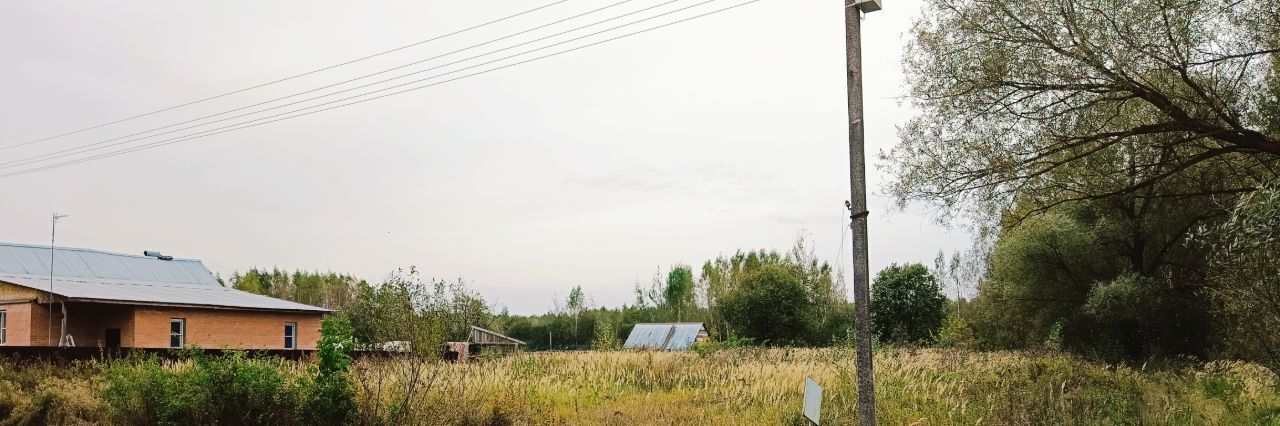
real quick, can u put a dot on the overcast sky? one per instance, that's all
(593, 168)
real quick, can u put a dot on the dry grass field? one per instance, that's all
(765, 386)
(740, 386)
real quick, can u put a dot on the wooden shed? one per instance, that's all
(481, 340)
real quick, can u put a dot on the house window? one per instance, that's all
(4, 327)
(177, 332)
(290, 335)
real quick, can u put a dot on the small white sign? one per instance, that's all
(812, 400)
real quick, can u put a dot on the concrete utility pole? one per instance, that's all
(857, 205)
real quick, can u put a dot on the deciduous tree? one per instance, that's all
(1013, 93)
(907, 305)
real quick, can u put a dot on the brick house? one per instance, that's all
(114, 300)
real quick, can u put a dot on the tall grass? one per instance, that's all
(38, 393)
(735, 386)
(765, 386)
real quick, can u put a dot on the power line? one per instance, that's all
(191, 137)
(82, 148)
(505, 18)
(843, 230)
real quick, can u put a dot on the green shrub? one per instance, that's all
(710, 347)
(957, 332)
(232, 388)
(223, 389)
(332, 397)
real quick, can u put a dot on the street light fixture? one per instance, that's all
(867, 5)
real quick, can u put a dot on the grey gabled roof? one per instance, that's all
(96, 276)
(21, 259)
(664, 336)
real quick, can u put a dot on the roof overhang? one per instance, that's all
(318, 311)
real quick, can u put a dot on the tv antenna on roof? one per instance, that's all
(53, 236)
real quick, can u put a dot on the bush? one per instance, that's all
(332, 398)
(957, 332)
(224, 389)
(34, 393)
(710, 347)
(232, 388)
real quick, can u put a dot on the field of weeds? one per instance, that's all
(765, 386)
(743, 386)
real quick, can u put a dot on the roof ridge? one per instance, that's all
(111, 253)
(116, 281)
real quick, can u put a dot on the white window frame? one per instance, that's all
(181, 334)
(291, 335)
(4, 327)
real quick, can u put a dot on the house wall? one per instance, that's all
(148, 327)
(18, 323)
(39, 321)
(10, 292)
(28, 320)
(218, 328)
(88, 323)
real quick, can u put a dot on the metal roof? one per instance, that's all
(21, 259)
(664, 336)
(95, 276)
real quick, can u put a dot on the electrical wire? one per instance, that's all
(843, 230)
(840, 251)
(505, 18)
(193, 137)
(84, 148)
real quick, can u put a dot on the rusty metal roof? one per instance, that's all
(96, 276)
(664, 336)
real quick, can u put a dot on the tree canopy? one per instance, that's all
(1044, 102)
(771, 305)
(679, 292)
(907, 305)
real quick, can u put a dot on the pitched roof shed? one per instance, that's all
(666, 336)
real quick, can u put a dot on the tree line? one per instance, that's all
(765, 296)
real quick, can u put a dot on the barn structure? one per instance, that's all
(678, 336)
(113, 300)
(480, 341)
